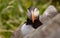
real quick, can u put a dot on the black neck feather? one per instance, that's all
(36, 23)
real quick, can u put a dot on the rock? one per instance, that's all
(49, 30)
(48, 14)
(17, 34)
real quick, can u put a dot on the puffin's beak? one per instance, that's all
(33, 18)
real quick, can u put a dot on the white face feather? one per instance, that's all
(35, 12)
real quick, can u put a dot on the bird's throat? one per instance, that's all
(36, 23)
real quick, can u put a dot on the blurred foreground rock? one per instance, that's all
(48, 14)
(17, 34)
(49, 30)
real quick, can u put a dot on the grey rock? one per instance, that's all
(17, 34)
(48, 14)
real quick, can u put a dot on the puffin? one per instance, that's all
(32, 21)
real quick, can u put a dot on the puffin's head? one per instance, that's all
(32, 13)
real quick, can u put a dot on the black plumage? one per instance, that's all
(36, 23)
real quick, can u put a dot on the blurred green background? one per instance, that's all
(13, 13)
